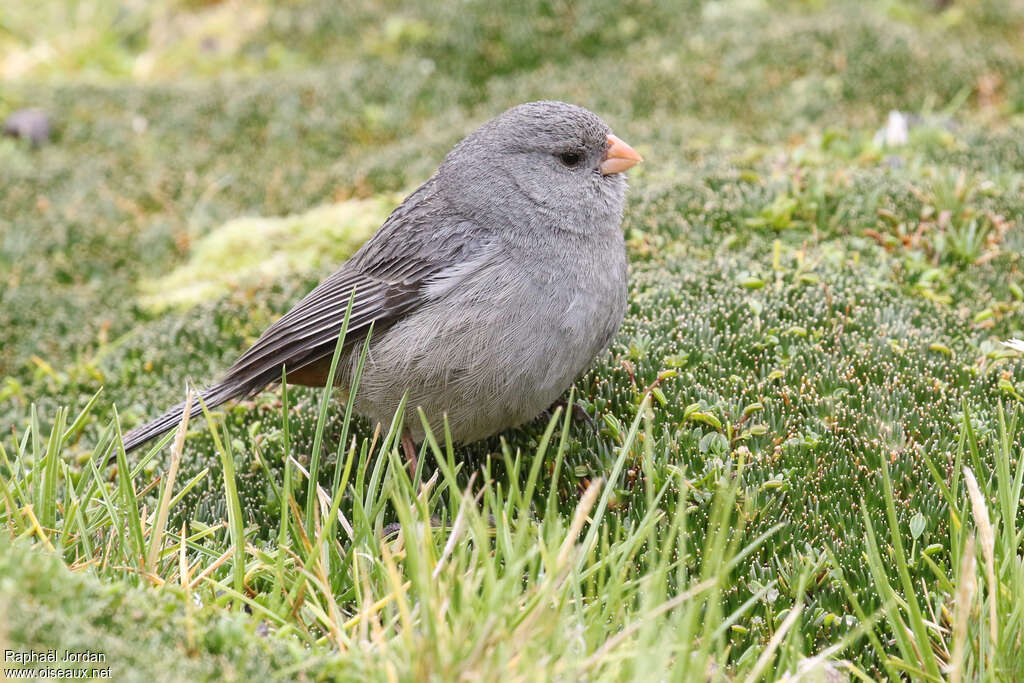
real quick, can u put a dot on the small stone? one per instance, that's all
(28, 124)
(895, 132)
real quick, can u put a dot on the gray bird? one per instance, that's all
(490, 288)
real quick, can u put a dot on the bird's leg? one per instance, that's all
(409, 446)
(411, 461)
(578, 413)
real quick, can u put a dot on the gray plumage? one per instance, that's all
(490, 288)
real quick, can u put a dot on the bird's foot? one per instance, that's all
(578, 413)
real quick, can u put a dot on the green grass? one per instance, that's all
(777, 473)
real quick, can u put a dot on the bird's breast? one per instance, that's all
(503, 343)
(572, 297)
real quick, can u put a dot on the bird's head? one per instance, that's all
(541, 164)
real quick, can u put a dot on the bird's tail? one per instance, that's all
(212, 396)
(1015, 344)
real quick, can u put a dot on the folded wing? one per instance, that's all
(389, 277)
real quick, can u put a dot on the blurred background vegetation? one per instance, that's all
(829, 285)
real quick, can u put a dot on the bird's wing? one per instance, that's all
(422, 245)
(309, 331)
(306, 334)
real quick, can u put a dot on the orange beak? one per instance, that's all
(619, 157)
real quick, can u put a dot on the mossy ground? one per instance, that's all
(824, 301)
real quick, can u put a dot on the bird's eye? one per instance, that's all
(570, 158)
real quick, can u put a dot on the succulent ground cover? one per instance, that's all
(804, 444)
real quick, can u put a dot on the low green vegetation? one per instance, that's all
(806, 439)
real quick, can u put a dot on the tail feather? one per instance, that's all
(1015, 344)
(213, 396)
